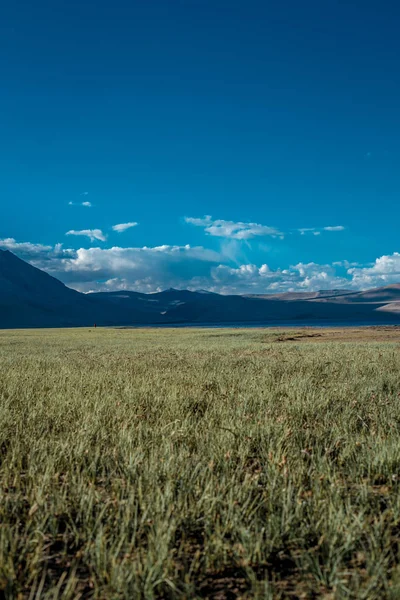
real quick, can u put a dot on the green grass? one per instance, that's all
(197, 464)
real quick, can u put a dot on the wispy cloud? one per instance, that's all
(123, 226)
(86, 204)
(92, 234)
(238, 230)
(304, 230)
(319, 230)
(233, 230)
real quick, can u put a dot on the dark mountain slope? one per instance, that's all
(156, 304)
(30, 297)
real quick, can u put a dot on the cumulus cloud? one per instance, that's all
(231, 229)
(334, 228)
(145, 269)
(92, 234)
(123, 226)
(307, 277)
(384, 271)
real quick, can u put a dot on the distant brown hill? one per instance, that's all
(389, 293)
(302, 295)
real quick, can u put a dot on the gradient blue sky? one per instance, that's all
(270, 117)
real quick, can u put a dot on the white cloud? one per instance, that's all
(86, 204)
(346, 263)
(317, 231)
(143, 269)
(204, 222)
(25, 248)
(234, 230)
(384, 271)
(92, 234)
(38, 254)
(123, 226)
(245, 231)
(250, 278)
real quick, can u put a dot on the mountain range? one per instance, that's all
(30, 297)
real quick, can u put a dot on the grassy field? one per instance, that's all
(199, 464)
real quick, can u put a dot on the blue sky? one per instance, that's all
(252, 146)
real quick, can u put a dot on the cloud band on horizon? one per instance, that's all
(150, 269)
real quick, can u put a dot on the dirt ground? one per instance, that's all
(345, 334)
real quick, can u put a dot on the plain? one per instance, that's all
(199, 463)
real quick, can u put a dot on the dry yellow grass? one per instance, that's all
(199, 463)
